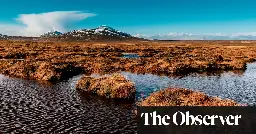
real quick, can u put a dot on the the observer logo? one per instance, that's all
(185, 118)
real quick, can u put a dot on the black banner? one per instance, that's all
(196, 120)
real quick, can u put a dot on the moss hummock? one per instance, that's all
(114, 86)
(184, 97)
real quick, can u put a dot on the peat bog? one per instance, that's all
(29, 101)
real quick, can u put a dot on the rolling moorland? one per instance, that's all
(55, 61)
(78, 78)
(55, 57)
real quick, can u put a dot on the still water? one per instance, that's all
(130, 55)
(38, 107)
(33, 107)
(239, 87)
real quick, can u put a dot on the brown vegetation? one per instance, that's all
(114, 86)
(58, 60)
(183, 97)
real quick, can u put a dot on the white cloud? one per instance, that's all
(203, 36)
(244, 34)
(37, 24)
(10, 29)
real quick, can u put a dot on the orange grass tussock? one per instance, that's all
(114, 86)
(184, 97)
(58, 60)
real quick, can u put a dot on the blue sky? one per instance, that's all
(147, 17)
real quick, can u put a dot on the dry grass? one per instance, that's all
(53, 61)
(58, 60)
(114, 86)
(183, 97)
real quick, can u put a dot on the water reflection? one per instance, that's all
(130, 55)
(238, 86)
(32, 107)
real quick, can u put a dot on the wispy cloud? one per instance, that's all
(37, 24)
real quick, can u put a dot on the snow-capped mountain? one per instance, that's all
(51, 34)
(100, 33)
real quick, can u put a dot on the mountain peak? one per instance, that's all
(104, 28)
(102, 32)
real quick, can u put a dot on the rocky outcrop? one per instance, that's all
(114, 86)
(183, 97)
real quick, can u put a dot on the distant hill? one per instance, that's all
(100, 33)
(3, 37)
